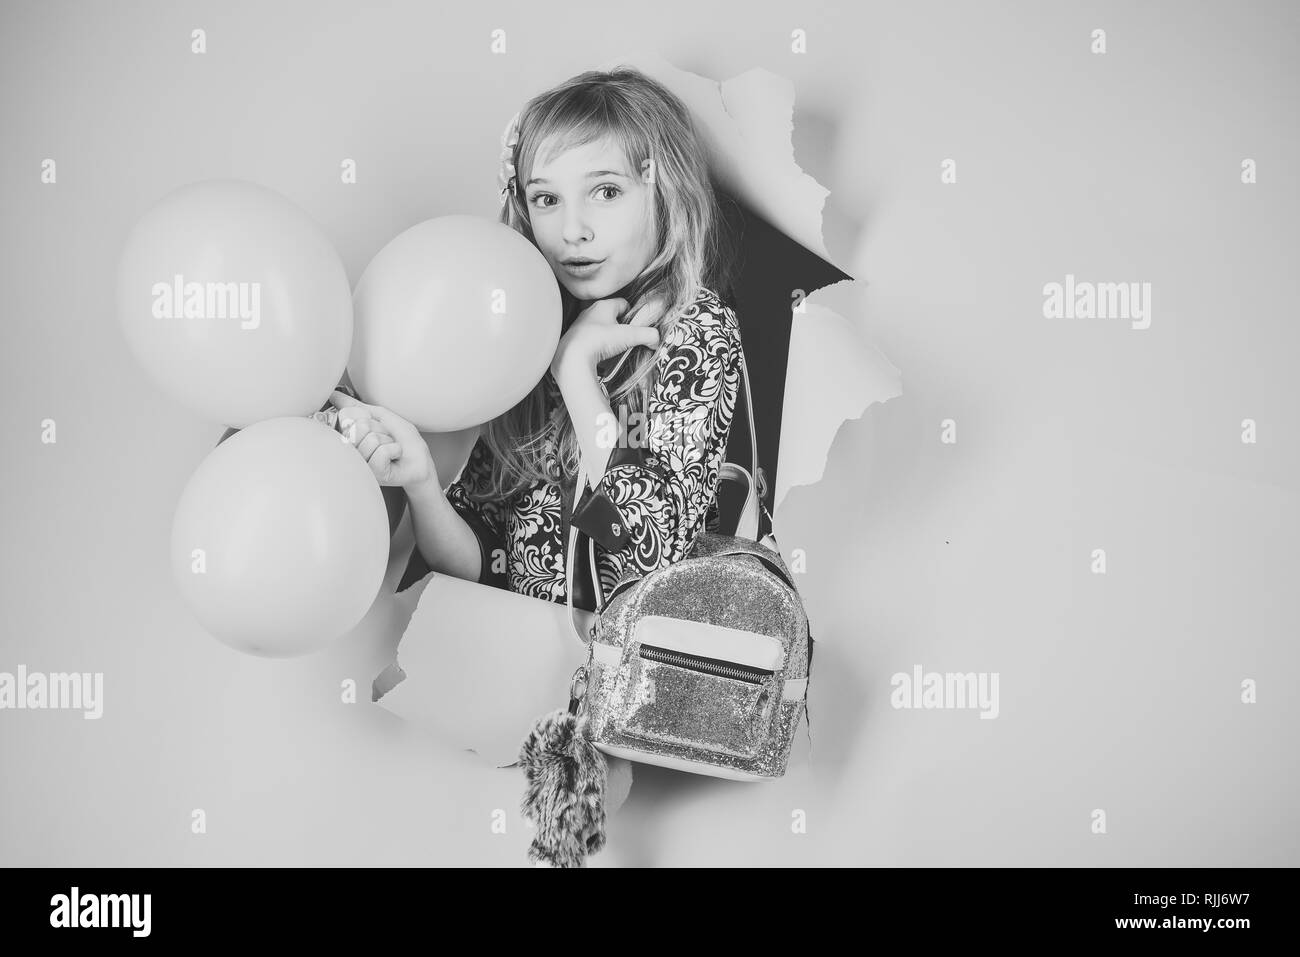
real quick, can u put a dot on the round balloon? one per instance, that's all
(235, 302)
(280, 539)
(456, 320)
(394, 496)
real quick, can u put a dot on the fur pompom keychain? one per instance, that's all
(567, 776)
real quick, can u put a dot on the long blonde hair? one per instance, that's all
(647, 121)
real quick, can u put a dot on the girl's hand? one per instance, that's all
(598, 334)
(391, 446)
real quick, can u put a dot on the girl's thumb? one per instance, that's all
(341, 400)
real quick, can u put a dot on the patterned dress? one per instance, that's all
(659, 490)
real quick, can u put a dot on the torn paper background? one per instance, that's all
(746, 123)
(834, 375)
(481, 664)
(478, 665)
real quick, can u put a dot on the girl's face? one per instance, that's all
(587, 205)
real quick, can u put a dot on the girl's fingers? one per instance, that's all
(647, 313)
(387, 418)
(635, 336)
(341, 400)
(372, 440)
(387, 452)
(355, 427)
(610, 309)
(350, 425)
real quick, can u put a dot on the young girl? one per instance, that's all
(606, 176)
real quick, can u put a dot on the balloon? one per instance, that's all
(279, 542)
(394, 497)
(456, 320)
(235, 302)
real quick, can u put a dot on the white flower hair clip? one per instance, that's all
(506, 174)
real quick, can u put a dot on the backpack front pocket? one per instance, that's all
(695, 701)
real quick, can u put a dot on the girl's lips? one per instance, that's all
(586, 269)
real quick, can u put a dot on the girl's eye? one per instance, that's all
(538, 197)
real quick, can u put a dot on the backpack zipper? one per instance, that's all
(709, 666)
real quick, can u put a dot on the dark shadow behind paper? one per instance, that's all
(768, 269)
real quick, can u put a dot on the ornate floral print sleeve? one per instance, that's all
(659, 490)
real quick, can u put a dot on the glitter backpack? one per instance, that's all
(703, 665)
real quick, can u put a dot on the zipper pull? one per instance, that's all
(577, 688)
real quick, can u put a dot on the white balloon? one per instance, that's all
(280, 539)
(457, 319)
(235, 303)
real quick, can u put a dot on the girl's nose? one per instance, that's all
(575, 226)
